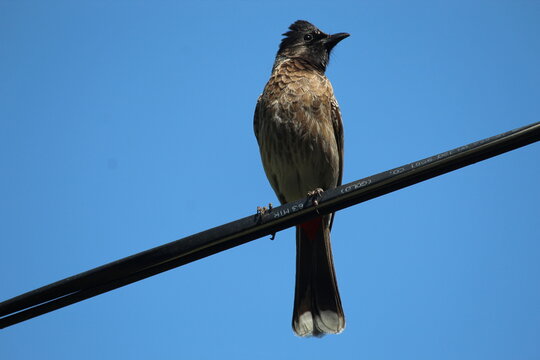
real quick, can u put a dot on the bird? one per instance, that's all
(299, 131)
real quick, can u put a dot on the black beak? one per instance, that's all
(334, 39)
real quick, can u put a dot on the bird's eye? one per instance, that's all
(308, 37)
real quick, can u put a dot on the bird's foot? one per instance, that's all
(315, 195)
(261, 211)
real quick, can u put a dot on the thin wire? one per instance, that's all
(180, 252)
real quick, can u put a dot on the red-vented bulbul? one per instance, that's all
(298, 127)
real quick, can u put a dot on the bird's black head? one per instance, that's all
(306, 41)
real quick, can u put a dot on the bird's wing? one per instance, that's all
(256, 121)
(338, 133)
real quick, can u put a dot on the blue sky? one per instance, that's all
(128, 124)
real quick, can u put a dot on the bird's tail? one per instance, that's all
(317, 305)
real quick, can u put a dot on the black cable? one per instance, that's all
(165, 257)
